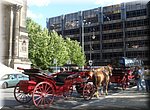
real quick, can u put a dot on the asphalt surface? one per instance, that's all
(117, 99)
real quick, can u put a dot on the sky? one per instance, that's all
(39, 10)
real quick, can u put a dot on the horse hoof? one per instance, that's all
(102, 93)
(97, 96)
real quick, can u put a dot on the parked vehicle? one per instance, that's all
(10, 80)
(42, 89)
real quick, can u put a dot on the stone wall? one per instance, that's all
(14, 37)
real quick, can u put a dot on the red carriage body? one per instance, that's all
(42, 88)
(123, 69)
(27, 86)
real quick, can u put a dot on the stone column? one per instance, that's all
(15, 34)
(15, 37)
(11, 36)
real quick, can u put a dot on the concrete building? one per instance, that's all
(120, 30)
(13, 36)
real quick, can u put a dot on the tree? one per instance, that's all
(76, 56)
(58, 48)
(44, 47)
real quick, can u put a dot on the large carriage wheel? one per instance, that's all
(43, 95)
(68, 92)
(79, 88)
(21, 96)
(124, 83)
(88, 91)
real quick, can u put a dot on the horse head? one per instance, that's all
(109, 69)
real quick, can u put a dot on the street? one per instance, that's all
(116, 99)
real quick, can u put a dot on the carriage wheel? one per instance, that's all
(43, 95)
(21, 96)
(88, 91)
(79, 88)
(124, 83)
(69, 92)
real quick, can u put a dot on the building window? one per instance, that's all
(112, 36)
(111, 26)
(137, 33)
(136, 23)
(24, 46)
(112, 45)
(136, 13)
(97, 56)
(139, 54)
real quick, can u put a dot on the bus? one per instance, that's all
(126, 62)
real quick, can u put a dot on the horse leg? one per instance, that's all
(98, 86)
(102, 89)
(97, 94)
(106, 88)
(96, 83)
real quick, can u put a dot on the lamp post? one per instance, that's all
(83, 22)
(93, 37)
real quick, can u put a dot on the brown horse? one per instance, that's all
(101, 76)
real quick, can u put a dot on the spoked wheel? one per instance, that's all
(88, 91)
(79, 88)
(21, 96)
(69, 92)
(43, 95)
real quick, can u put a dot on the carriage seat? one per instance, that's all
(61, 77)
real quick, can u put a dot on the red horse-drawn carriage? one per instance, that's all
(41, 88)
(123, 69)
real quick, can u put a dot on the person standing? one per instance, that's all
(147, 78)
(138, 78)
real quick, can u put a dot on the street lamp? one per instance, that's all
(91, 49)
(83, 23)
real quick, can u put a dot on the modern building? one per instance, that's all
(120, 30)
(13, 36)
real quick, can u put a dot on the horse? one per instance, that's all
(101, 76)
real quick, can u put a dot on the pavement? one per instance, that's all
(118, 99)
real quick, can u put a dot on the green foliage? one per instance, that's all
(75, 52)
(44, 47)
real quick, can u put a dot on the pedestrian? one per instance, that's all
(138, 78)
(147, 78)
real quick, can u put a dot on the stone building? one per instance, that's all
(13, 36)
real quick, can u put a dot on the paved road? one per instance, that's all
(117, 99)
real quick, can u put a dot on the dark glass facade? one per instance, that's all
(120, 30)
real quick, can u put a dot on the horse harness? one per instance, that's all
(105, 72)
